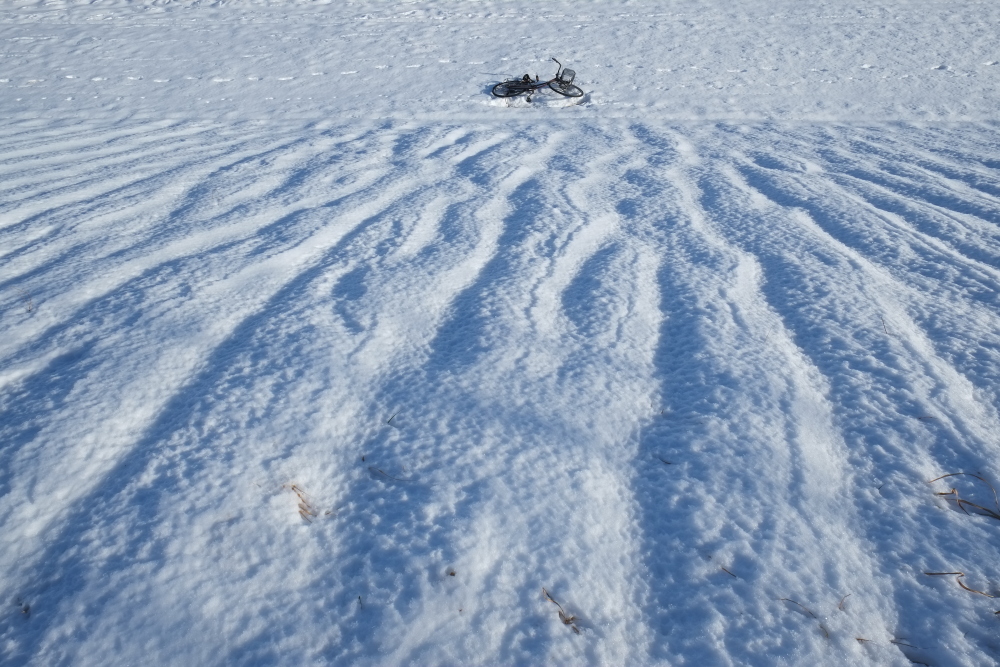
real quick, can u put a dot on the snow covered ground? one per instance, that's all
(312, 352)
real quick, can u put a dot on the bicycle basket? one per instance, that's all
(567, 76)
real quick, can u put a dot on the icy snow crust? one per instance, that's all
(312, 352)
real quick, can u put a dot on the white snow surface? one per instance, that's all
(314, 353)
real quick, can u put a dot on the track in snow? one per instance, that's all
(197, 315)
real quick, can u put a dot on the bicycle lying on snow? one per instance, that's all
(562, 83)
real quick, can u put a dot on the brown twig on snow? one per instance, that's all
(803, 606)
(563, 616)
(841, 605)
(826, 633)
(384, 473)
(961, 502)
(306, 510)
(959, 580)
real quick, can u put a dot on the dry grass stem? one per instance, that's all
(822, 628)
(961, 502)
(803, 606)
(306, 509)
(841, 605)
(729, 573)
(385, 474)
(958, 578)
(563, 616)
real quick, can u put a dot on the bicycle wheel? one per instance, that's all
(510, 89)
(567, 89)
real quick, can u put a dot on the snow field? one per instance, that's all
(876, 60)
(349, 380)
(549, 321)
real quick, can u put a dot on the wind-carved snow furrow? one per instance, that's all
(206, 247)
(84, 145)
(744, 434)
(287, 310)
(184, 350)
(77, 180)
(402, 233)
(951, 164)
(39, 146)
(582, 222)
(598, 223)
(952, 233)
(901, 173)
(394, 448)
(237, 240)
(592, 298)
(917, 240)
(899, 180)
(477, 478)
(144, 204)
(935, 272)
(94, 183)
(56, 207)
(880, 383)
(127, 197)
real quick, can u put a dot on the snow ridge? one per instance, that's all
(666, 374)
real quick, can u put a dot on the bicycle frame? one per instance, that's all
(515, 87)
